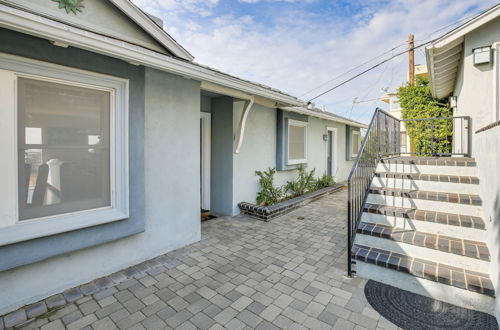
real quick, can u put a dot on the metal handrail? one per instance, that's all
(383, 139)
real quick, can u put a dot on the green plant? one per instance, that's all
(304, 183)
(324, 181)
(268, 194)
(428, 136)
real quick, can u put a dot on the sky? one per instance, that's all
(299, 45)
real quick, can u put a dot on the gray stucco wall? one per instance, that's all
(221, 179)
(164, 182)
(476, 94)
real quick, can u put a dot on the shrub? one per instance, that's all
(427, 137)
(304, 183)
(268, 194)
(324, 181)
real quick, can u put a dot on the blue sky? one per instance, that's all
(296, 45)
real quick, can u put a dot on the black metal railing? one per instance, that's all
(441, 137)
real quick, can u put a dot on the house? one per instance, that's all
(464, 64)
(430, 224)
(114, 138)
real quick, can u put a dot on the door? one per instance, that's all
(331, 151)
(205, 143)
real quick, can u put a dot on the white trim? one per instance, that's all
(358, 133)
(323, 116)
(12, 230)
(334, 150)
(25, 22)
(206, 127)
(297, 123)
(151, 28)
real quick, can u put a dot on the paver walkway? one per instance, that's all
(287, 273)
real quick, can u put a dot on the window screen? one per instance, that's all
(355, 143)
(296, 142)
(64, 148)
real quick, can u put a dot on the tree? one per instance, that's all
(427, 137)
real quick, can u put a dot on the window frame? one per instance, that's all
(358, 133)
(297, 123)
(13, 230)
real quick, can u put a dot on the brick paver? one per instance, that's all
(285, 274)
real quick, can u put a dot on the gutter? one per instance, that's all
(324, 116)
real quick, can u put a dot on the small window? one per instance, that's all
(297, 142)
(356, 142)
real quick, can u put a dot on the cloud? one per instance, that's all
(297, 46)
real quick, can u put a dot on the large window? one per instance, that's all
(68, 131)
(64, 149)
(297, 142)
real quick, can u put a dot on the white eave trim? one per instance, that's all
(35, 25)
(452, 40)
(323, 116)
(139, 17)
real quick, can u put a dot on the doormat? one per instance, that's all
(413, 311)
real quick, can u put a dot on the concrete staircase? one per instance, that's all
(422, 231)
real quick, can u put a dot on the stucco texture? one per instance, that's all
(477, 95)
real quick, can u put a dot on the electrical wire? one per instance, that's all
(353, 69)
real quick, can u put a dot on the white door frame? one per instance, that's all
(334, 149)
(206, 123)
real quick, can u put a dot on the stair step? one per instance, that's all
(458, 277)
(466, 248)
(429, 177)
(465, 199)
(432, 161)
(454, 166)
(429, 216)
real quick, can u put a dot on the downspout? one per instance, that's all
(241, 127)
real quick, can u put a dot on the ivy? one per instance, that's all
(427, 137)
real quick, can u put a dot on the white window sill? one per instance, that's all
(297, 162)
(32, 229)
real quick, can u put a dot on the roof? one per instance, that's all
(44, 27)
(445, 53)
(152, 28)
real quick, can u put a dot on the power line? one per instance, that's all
(369, 69)
(385, 61)
(353, 69)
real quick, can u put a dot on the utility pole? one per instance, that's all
(411, 54)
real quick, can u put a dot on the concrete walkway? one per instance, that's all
(245, 273)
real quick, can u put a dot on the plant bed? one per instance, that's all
(269, 212)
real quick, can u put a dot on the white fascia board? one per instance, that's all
(35, 25)
(139, 17)
(323, 116)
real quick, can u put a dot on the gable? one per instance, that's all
(108, 18)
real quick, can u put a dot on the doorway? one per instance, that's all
(331, 151)
(205, 144)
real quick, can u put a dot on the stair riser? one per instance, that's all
(459, 188)
(423, 204)
(435, 290)
(425, 226)
(428, 169)
(423, 253)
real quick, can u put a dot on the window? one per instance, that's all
(355, 143)
(64, 150)
(71, 148)
(297, 142)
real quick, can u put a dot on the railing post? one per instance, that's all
(349, 230)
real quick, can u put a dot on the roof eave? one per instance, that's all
(32, 24)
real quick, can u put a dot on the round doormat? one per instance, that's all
(412, 311)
